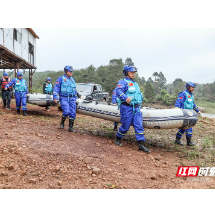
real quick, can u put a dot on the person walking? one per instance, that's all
(48, 89)
(21, 92)
(186, 101)
(65, 88)
(129, 100)
(6, 94)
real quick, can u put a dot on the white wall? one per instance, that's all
(18, 46)
(8, 38)
(25, 43)
(1, 36)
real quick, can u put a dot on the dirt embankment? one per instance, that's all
(35, 153)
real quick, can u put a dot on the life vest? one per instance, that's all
(133, 92)
(189, 102)
(20, 85)
(48, 87)
(5, 82)
(68, 86)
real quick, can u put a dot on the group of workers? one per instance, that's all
(21, 91)
(127, 94)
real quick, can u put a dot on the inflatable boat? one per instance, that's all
(152, 118)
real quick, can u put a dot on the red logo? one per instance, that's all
(57, 82)
(180, 97)
(114, 93)
(130, 84)
(46, 84)
(188, 96)
(17, 81)
(119, 85)
(64, 79)
(187, 171)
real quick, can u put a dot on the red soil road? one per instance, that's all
(36, 154)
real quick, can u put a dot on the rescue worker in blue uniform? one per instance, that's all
(129, 99)
(48, 89)
(6, 94)
(21, 92)
(186, 101)
(65, 87)
(114, 97)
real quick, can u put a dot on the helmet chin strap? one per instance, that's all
(129, 77)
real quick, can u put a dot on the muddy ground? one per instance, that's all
(36, 154)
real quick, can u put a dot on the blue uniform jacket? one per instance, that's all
(13, 82)
(114, 96)
(57, 88)
(122, 88)
(182, 98)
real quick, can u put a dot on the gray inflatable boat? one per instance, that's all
(152, 118)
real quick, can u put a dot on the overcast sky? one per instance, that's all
(179, 53)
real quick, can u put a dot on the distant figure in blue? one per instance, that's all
(186, 101)
(21, 92)
(114, 101)
(129, 100)
(48, 89)
(65, 87)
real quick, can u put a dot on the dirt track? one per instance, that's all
(36, 153)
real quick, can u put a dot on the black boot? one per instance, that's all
(189, 142)
(142, 147)
(177, 141)
(4, 103)
(18, 111)
(118, 141)
(24, 113)
(115, 128)
(71, 123)
(62, 122)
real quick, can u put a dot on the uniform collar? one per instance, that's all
(188, 92)
(67, 76)
(129, 79)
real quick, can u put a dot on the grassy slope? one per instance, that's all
(209, 106)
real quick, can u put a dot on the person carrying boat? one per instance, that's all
(186, 101)
(21, 92)
(48, 89)
(65, 87)
(6, 94)
(129, 99)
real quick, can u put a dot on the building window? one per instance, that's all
(31, 53)
(17, 36)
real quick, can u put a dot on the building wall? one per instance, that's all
(20, 49)
(1, 36)
(25, 33)
(17, 46)
(8, 38)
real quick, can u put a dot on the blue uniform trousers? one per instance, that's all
(68, 107)
(187, 131)
(21, 100)
(127, 117)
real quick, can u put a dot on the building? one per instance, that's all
(18, 50)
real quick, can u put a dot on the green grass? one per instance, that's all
(209, 106)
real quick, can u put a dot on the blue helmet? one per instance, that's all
(19, 73)
(5, 74)
(129, 69)
(68, 69)
(190, 84)
(48, 79)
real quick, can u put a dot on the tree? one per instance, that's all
(149, 92)
(129, 62)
